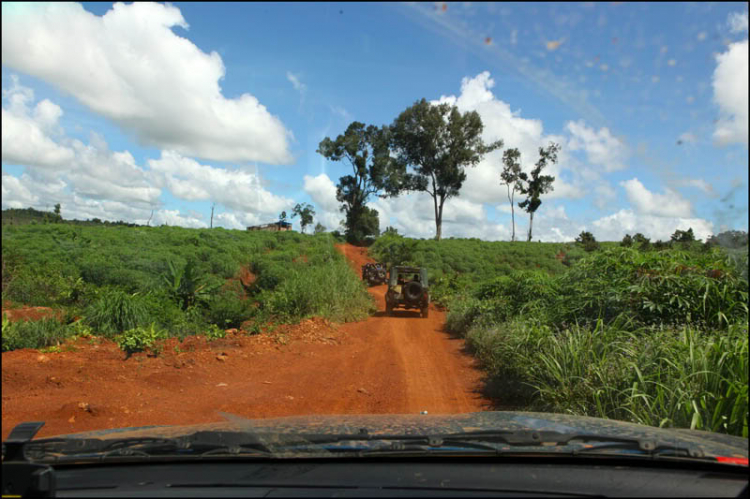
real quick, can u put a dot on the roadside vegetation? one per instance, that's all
(653, 333)
(655, 336)
(158, 282)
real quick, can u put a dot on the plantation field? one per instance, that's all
(143, 283)
(653, 337)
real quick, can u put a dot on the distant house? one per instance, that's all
(274, 226)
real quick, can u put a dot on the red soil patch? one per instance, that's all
(383, 365)
(31, 313)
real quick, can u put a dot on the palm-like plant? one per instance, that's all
(188, 285)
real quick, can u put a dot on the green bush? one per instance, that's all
(33, 334)
(214, 332)
(229, 308)
(139, 339)
(115, 311)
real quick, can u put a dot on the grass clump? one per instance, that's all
(33, 334)
(115, 311)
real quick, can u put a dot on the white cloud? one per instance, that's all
(174, 217)
(130, 67)
(25, 139)
(700, 184)
(730, 85)
(669, 204)
(500, 122)
(614, 227)
(602, 148)
(238, 190)
(296, 83)
(322, 191)
(99, 173)
(738, 22)
(16, 193)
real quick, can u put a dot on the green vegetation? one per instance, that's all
(171, 279)
(654, 337)
(454, 264)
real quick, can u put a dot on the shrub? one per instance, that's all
(33, 334)
(588, 241)
(229, 308)
(115, 311)
(214, 332)
(139, 339)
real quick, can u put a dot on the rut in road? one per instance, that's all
(384, 365)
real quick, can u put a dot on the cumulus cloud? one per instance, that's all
(130, 67)
(614, 227)
(322, 191)
(16, 193)
(730, 85)
(25, 130)
(500, 122)
(239, 190)
(669, 204)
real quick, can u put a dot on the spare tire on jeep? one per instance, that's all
(413, 291)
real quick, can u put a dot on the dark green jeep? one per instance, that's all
(408, 289)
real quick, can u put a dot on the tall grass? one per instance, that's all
(34, 334)
(668, 377)
(333, 292)
(657, 338)
(115, 311)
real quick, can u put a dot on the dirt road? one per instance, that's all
(384, 365)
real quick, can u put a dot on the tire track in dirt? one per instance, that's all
(383, 365)
(438, 376)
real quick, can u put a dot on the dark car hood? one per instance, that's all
(711, 444)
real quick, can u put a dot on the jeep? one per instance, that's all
(408, 289)
(374, 273)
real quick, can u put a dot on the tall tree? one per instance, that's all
(511, 177)
(375, 171)
(305, 212)
(537, 184)
(438, 142)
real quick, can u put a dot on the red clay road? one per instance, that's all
(383, 365)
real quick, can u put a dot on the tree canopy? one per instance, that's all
(438, 142)
(305, 212)
(536, 184)
(375, 171)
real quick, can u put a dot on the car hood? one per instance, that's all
(711, 444)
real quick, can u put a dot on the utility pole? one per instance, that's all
(212, 215)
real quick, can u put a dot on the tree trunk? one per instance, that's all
(513, 214)
(531, 225)
(437, 217)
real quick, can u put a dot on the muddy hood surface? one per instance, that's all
(711, 444)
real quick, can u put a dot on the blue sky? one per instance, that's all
(118, 111)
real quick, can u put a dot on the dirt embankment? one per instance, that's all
(383, 365)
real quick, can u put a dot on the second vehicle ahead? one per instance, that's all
(408, 289)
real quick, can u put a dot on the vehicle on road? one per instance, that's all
(408, 288)
(374, 273)
(482, 453)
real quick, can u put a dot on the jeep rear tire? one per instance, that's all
(412, 291)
